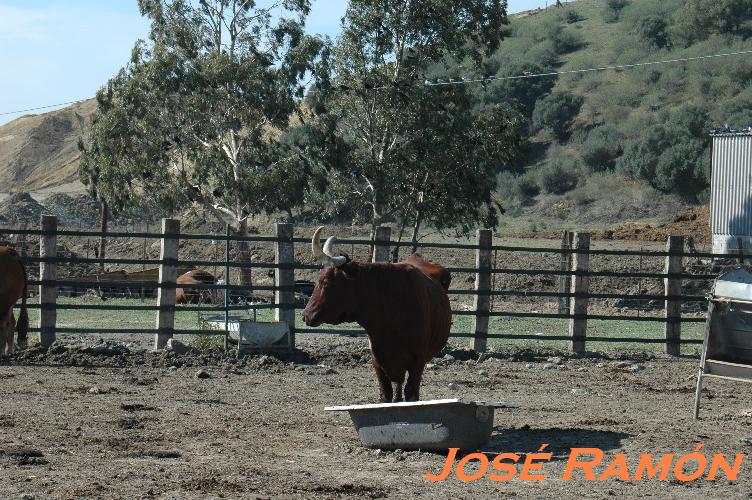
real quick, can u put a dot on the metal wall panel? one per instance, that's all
(731, 188)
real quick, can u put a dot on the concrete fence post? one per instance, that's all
(284, 278)
(565, 280)
(482, 289)
(674, 264)
(381, 250)
(47, 273)
(580, 283)
(168, 273)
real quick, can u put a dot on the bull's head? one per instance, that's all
(332, 298)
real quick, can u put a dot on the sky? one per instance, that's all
(56, 51)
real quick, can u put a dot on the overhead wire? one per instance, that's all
(486, 79)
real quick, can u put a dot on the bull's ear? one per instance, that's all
(350, 270)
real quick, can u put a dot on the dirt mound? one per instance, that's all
(21, 208)
(80, 210)
(693, 222)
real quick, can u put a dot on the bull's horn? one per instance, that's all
(337, 261)
(325, 254)
(316, 243)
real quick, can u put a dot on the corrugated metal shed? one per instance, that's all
(731, 190)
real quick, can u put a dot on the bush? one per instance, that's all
(601, 148)
(526, 188)
(613, 10)
(701, 18)
(572, 17)
(556, 112)
(559, 175)
(671, 153)
(654, 30)
(521, 91)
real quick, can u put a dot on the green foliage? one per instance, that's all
(521, 92)
(415, 152)
(572, 16)
(559, 175)
(561, 38)
(197, 114)
(701, 18)
(601, 148)
(526, 188)
(556, 111)
(671, 153)
(653, 29)
(613, 10)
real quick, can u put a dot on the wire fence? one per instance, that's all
(138, 272)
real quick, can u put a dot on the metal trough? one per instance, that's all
(434, 425)
(727, 351)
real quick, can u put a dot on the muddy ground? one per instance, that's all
(109, 421)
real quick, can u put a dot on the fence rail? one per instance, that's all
(573, 293)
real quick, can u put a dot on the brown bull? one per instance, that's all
(435, 271)
(194, 295)
(13, 286)
(405, 313)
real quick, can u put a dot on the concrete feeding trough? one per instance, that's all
(727, 350)
(434, 425)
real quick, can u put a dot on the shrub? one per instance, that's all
(572, 17)
(526, 188)
(654, 30)
(559, 175)
(521, 91)
(556, 111)
(601, 149)
(613, 10)
(671, 153)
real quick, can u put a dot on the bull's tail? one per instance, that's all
(23, 317)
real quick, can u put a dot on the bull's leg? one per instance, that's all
(412, 388)
(385, 385)
(6, 332)
(398, 380)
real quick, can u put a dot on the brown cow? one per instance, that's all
(405, 313)
(194, 295)
(435, 271)
(13, 286)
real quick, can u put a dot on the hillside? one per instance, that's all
(39, 152)
(607, 147)
(620, 145)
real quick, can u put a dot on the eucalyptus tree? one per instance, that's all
(199, 113)
(405, 139)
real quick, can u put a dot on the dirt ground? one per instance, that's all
(108, 421)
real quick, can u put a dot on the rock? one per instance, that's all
(452, 386)
(177, 347)
(528, 365)
(201, 374)
(330, 371)
(622, 364)
(555, 360)
(600, 365)
(579, 392)
(449, 357)
(483, 373)
(635, 368)
(582, 369)
(747, 413)
(430, 366)
(746, 440)
(27, 496)
(96, 390)
(549, 366)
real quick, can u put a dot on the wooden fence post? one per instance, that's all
(48, 272)
(580, 282)
(168, 273)
(482, 289)
(284, 255)
(381, 251)
(674, 264)
(565, 280)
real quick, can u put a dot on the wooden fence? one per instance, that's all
(573, 295)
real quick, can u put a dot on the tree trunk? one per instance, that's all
(375, 222)
(395, 251)
(103, 228)
(416, 229)
(245, 276)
